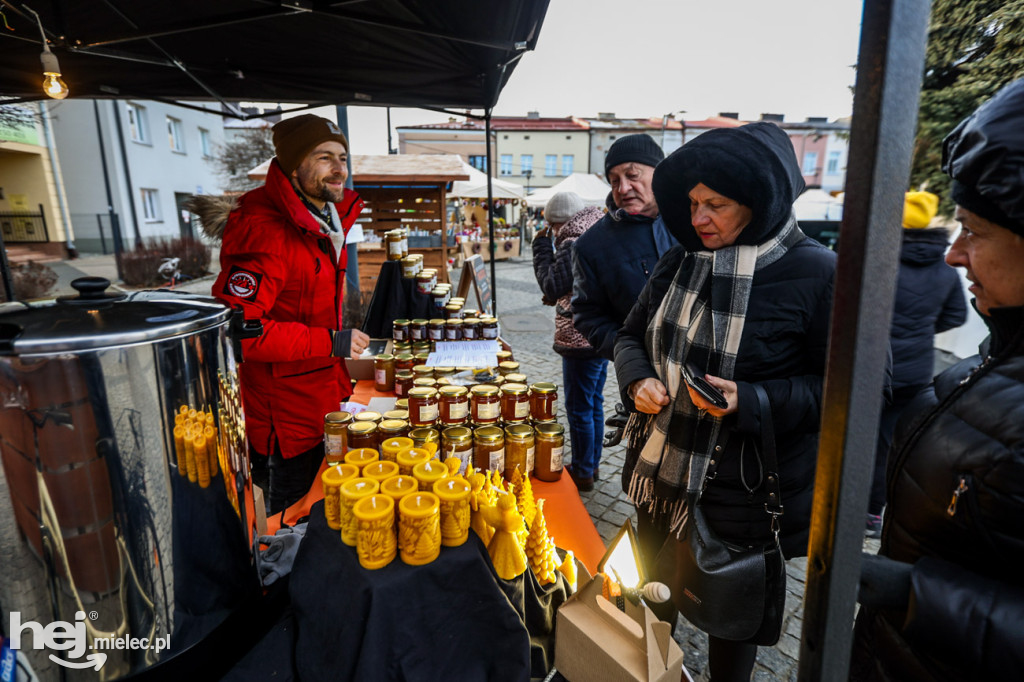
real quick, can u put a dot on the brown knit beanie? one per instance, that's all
(296, 137)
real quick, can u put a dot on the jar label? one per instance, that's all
(417, 334)
(399, 389)
(554, 406)
(468, 333)
(394, 248)
(529, 460)
(459, 410)
(428, 413)
(523, 409)
(556, 459)
(488, 410)
(334, 445)
(424, 287)
(489, 332)
(436, 334)
(380, 377)
(497, 460)
(399, 334)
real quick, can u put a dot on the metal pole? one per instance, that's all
(103, 241)
(58, 181)
(391, 149)
(127, 174)
(115, 229)
(490, 213)
(5, 270)
(889, 69)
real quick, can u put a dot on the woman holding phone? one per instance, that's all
(744, 300)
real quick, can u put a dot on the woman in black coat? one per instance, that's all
(745, 299)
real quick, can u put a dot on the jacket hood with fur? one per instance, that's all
(212, 212)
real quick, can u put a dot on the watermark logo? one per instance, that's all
(72, 639)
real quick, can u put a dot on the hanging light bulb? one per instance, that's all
(53, 85)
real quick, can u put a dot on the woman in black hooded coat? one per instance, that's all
(747, 299)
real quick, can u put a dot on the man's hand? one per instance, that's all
(360, 340)
(348, 343)
(649, 395)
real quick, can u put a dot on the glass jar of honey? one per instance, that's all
(422, 406)
(404, 361)
(427, 382)
(384, 373)
(393, 244)
(489, 448)
(488, 328)
(417, 330)
(505, 356)
(362, 435)
(368, 416)
(543, 401)
(424, 435)
(423, 372)
(396, 414)
(453, 329)
(410, 268)
(453, 311)
(515, 402)
(485, 404)
(403, 382)
(470, 328)
(519, 450)
(422, 352)
(435, 329)
(469, 312)
(400, 330)
(508, 367)
(402, 404)
(404, 235)
(335, 436)
(425, 283)
(392, 428)
(443, 372)
(515, 378)
(454, 405)
(457, 441)
(550, 441)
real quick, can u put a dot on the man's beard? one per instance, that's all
(316, 188)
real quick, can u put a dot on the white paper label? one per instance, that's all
(417, 333)
(394, 248)
(488, 410)
(428, 413)
(436, 334)
(556, 459)
(523, 409)
(380, 376)
(334, 445)
(497, 460)
(489, 333)
(468, 333)
(459, 410)
(399, 391)
(530, 460)
(554, 406)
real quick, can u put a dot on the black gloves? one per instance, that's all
(618, 423)
(341, 342)
(884, 583)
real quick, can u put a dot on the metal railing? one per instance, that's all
(23, 226)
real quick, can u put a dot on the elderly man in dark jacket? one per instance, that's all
(613, 259)
(944, 597)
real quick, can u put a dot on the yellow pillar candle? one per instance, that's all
(380, 471)
(407, 459)
(210, 432)
(454, 495)
(351, 492)
(202, 461)
(390, 448)
(360, 457)
(428, 473)
(398, 487)
(376, 543)
(179, 449)
(331, 480)
(190, 455)
(419, 528)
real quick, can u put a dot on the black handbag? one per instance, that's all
(727, 590)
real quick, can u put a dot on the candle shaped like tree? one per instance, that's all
(540, 549)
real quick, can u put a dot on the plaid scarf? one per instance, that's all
(700, 320)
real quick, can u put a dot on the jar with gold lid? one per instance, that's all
(489, 448)
(495, 380)
(402, 347)
(423, 372)
(400, 330)
(440, 297)
(470, 312)
(362, 435)
(402, 404)
(457, 441)
(550, 442)
(392, 428)
(368, 416)
(470, 328)
(454, 405)
(489, 328)
(543, 400)
(453, 329)
(417, 330)
(504, 356)
(335, 436)
(519, 450)
(515, 378)
(508, 367)
(485, 404)
(422, 352)
(403, 382)
(384, 373)
(404, 232)
(424, 435)
(393, 244)
(443, 372)
(427, 382)
(410, 267)
(453, 311)
(425, 283)
(404, 361)
(435, 329)
(396, 414)
(515, 402)
(443, 381)
(422, 406)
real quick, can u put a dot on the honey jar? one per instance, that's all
(489, 448)
(368, 416)
(396, 414)
(470, 328)
(422, 436)
(410, 267)
(403, 382)
(519, 450)
(393, 244)
(423, 372)
(435, 329)
(504, 356)
(515, 402)
(440, 372)
(392, 428)
(425, 382)
(488, 328)
(384, 373)
(485, 404)
(515, 378)
(335, 436)
(549, 439)
(422, 406)
(418, 330)
(400, 330)
(404, 362)
(458, 442)
(454, 405)
(453, 311)
(543, 401)
(453, 329)
(508, 367)
(362, 435)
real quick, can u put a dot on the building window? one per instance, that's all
(137, 123)
(504, 137)
(550, 163)
(151, 205)
(525, 163)
(568, 137)
(204, 142)
(478, 161)
(567, 163)
(174, 135)
(526, 137)
(506, 164)
(810, 163)
(833, 163)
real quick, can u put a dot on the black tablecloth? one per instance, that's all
(451, 619)
(394, 298)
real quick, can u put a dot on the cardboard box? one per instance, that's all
(363, 367)
(595, 642)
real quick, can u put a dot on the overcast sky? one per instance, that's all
(640, 58)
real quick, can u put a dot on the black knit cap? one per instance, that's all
(985, 157)
(638, 148)
(753, 164)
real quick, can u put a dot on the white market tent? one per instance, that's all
(816, 204)
(476, 186)
(589, 186)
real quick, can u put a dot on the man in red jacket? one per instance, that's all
(283, 261)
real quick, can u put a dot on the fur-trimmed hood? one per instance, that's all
(212, 212)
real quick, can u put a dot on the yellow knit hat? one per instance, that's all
(919, 208)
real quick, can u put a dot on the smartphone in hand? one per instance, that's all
(695, 379)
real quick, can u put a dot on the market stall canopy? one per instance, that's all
(442, 53)
(476, 186)
(815, 204)
(394, 167)
(589, 186)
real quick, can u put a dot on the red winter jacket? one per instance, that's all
(278, 266)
